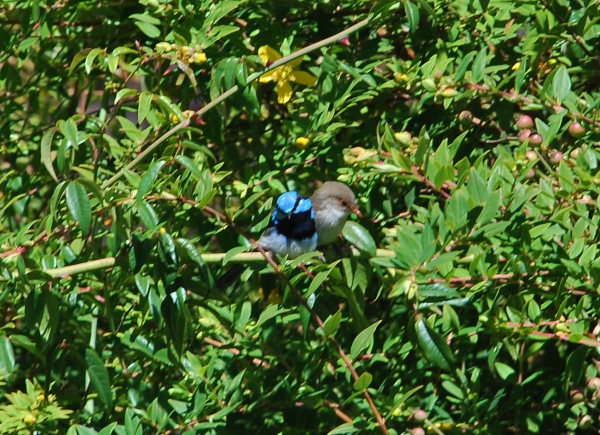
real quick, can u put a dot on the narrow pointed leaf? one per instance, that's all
(362, 340)
(79, 205)
(433, 346)
(98, 377)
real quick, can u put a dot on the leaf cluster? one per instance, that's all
(140, 156)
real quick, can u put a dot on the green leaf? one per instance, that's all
(190, 165)
(270, 312)
(453, 389)
(148, 179)
(89, 60)
(78, 58)
(68, 129)
(479, 65)
(79, 205)
(464, 64)
(561, 84)
(113, 63)
(412, 14)
(147, 214)
(363, 339)
(343, 429)
(332, 322)
(7, 356)
(358, 235)
(490, 208)
(99, 377)
(124, 93)
(233, 252)
(46, 152)
(504, 370)
(144, 106)
(146, 25)
(363, 382)
(433, 346)
(381, 8)
(319, 279)
(108, 430)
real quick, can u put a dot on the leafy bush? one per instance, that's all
(141, 146)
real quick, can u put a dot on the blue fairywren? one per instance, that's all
(291, 232)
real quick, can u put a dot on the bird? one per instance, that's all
(332, 204)
(292, 228)
(291, 232)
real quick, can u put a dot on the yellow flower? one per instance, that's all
(283, 74)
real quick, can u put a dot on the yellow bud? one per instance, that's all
(552, 62)
(516, 66)
(400, 77)
(199, 57)
(29, 419)
(302, 142)
(186, 50)
(174, 118)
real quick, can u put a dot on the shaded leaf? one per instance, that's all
(99, 377)
(7, 355)
(433, 346)
(79, 205)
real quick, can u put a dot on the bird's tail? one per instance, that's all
(230, 277)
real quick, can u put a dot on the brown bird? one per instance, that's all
(332, 203)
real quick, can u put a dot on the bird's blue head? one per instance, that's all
(289, 204)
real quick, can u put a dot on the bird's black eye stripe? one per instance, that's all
(298, 199)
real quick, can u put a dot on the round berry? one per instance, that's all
(576, 129)
(420, 415)
(465, 117)
(594, 384)
(524, 122)
(524, 135)
(555, 156)
(535, 140)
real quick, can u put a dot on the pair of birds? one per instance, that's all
(298, 224)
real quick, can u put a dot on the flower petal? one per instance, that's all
(303, 78)
(284, 92)
(294, 63)
(268, 76)
(268, 54)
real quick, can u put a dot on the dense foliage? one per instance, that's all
(140, 151)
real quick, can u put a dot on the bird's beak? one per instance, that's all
(356, 211)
